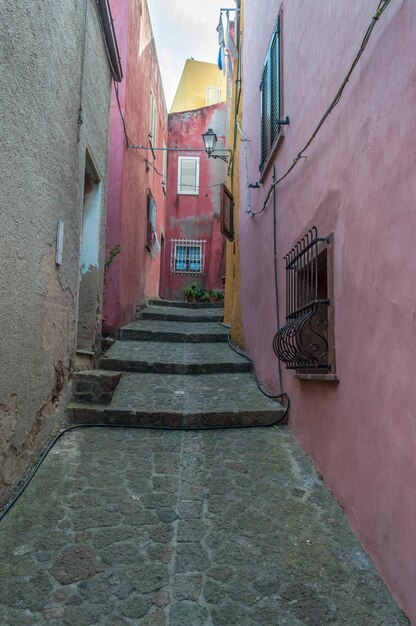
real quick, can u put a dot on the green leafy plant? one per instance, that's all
(191, 293)
(205, 296)
(112, 251)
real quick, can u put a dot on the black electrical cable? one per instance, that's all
(282, 395)
(128, 142)
(170, 180)
(32, 473)
(81, 86)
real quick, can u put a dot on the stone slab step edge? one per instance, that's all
(145, 314)
(187, 305)
(101, 414)
(124, 365)
(178, 336)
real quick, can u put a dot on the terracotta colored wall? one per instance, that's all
(134, 275)
(358, 181)
(195, 216)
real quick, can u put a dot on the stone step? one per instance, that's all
(187, 305)
(173, 358)
(183, 401)
(152, 330)
(170, 314)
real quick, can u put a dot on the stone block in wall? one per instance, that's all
(95, 386)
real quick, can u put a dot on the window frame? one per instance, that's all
(217, 89)
(152, 120)
(309, 310)
(164, 168)
(198, 244)
(271, 89)
(195, 190)
(227, 213)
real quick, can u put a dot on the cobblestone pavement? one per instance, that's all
(223, 528)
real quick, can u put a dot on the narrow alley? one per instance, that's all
(182, 528)
(208, 251)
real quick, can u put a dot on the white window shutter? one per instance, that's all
(213, 95)
(188, 175)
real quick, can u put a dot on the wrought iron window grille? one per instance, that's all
(302, 343)
(187, 256)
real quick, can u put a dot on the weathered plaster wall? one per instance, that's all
(357, 181)
(134, 275)
(196, 216)
(42, 161)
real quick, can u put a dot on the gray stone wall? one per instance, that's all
(42, 162)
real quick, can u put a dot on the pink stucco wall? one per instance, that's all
(358, 181)
(134, 275)
(195, 216)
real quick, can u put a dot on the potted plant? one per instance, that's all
(190, 293)
(205, 296)
(220, 295)
(199, 294)
(212, 296)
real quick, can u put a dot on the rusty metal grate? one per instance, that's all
(303, 341)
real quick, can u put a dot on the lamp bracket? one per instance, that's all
(218, 156)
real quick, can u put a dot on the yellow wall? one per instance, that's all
(192, 89)
(232, 303)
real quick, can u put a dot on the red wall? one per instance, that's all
(134, 275)
(195, 216)
(357, 181)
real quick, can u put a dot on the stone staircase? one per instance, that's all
(173, 368)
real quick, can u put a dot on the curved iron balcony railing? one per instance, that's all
(303, 341)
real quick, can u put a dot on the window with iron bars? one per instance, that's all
(271, 96)
(306, 342)
(187, 256)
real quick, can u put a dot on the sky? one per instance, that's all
(184, 29)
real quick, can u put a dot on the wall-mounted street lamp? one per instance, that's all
(210, 140)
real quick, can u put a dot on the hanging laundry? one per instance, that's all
(220, 31)
(222, 53)
(221, 42)
(152, 242)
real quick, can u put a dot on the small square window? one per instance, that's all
(187, 256)
(213, 95)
